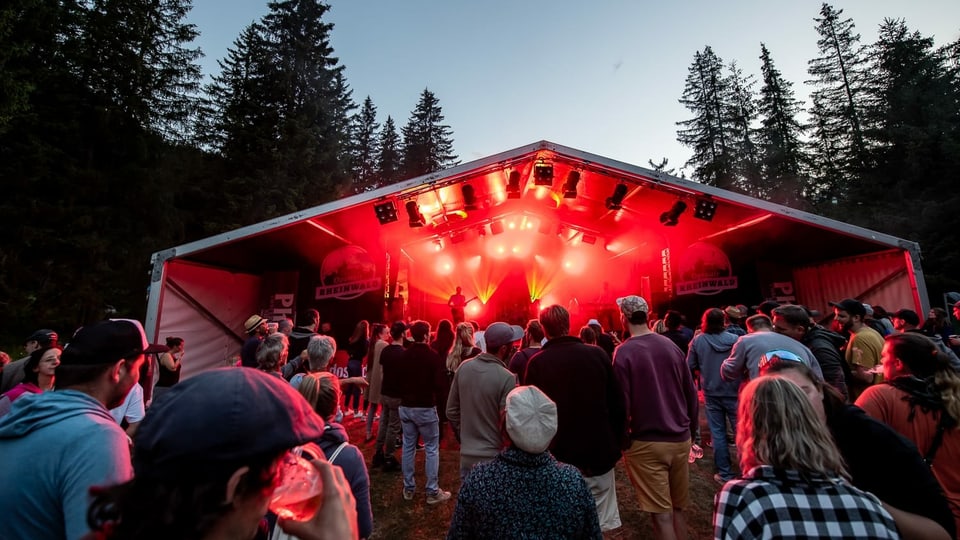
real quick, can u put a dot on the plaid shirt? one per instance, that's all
(772, 503)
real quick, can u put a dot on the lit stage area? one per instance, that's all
(537, 225)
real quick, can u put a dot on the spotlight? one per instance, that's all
(705, 209)
(496, 227)
(589, 239)
(671, 217)
(469, 197)
(386, 212)
(543, 173)
(615, 201)
(570, 186)
(513, 185)
(413, 211)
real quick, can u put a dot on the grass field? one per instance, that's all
(397, 519)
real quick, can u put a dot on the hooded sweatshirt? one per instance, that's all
(707, 352)
(54, 446)
(350, 461)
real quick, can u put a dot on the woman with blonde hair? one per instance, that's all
(463, 348)
(794, 480)
(921, 401)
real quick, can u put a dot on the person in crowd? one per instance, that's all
(604, 340)
(12, 374)
(478, 340)
(256, 329)
(272, 354)
(907, 320)
(529, 346)
(588, 336)
(463, 349)
(794, 322)
(789, 461)
(733, 316)
(767, 307)
(592, 413)
(67, 436)
(391, 367)
(285, 326)
(457, 303)
(478, 394)
(421, 382)
(663, 416)
(4, 360)
(444, 339)
(908, 491)
(922, 403)
(882, 317)
(207, 460)
(379, 334)
(954, 341)
(357, 347)
(862, 353)
(707, 352)
(938, 323)
(676, 331)
(762, 346)
(131, 412)
(309, 322)
(322, 392)
(169, 366)
(524, 492)
(39, 374)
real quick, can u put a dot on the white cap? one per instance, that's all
(531, 419)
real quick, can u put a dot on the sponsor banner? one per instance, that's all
(347, 273)
(349, 290)
(704, 269)
(707, 285)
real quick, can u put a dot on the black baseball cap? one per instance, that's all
(45, 337)
(107, 342)
(851, 306)
(223, 415)
(908, 316)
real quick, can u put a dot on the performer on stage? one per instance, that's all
(457, 302)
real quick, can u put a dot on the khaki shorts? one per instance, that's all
(660, 474)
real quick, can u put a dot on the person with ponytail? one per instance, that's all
(921, 401)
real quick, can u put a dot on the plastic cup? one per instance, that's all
(298, 495)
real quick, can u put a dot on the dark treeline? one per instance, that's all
(879, 145)
(111, 148)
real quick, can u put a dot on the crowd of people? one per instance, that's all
(843, 430)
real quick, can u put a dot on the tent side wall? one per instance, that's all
(885, 278)
(206, 306)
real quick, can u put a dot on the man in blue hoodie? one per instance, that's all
(64, 442)
(707, 352)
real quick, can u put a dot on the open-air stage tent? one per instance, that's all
(529, 227)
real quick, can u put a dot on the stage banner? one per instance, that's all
(347, 273)
(704, 269)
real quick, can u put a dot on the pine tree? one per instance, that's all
(706, 133)
(388, 160)
(839, 75)
(740, 110)
(780, 135)
(365, 148)
(427, 142)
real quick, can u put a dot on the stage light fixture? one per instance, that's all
(543, 173)
(469, 197)
(496, 227)
(705, 209)
(570, 186)
(413, 212)
(615, 201)
(589, 239)
(386, 212)
(671, 217)
(513, 185)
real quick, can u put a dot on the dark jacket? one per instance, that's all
(591, 411)
(422, 378)
(350, 460)
(825, 345)
(299, 338)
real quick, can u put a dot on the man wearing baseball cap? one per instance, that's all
(67, 439)
(477, 395)
(13, 372)
(664, 413)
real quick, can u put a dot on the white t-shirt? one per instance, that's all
(132, 407)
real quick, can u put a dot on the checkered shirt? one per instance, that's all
(772, 503)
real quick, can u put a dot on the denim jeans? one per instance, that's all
(719, 409)
(420, 422)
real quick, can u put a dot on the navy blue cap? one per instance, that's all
(224, 415)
